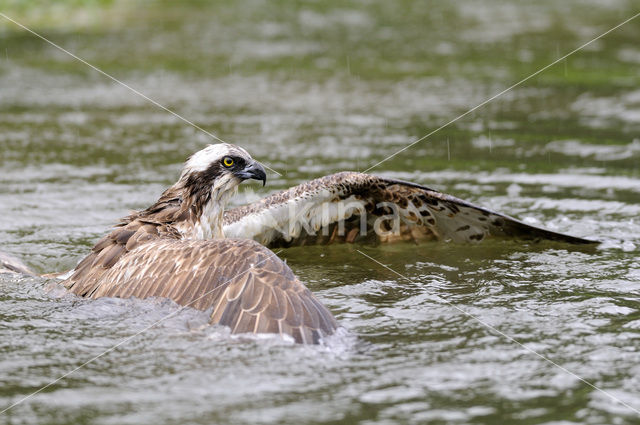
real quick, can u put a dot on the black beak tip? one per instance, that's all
(259, 174)
(254, 171)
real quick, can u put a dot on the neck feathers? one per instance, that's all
(208, 213)
(193, 208)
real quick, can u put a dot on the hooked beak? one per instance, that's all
(253, 171)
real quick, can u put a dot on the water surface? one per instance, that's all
(310, 89)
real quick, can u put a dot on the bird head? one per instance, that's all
(221, 166)
(211, 176)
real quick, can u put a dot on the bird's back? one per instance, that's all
(246, 286)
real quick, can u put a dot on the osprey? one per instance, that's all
(187, 248)
(176, 249)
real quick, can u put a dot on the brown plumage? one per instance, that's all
(295, 216)
(246, 286)
(175, 249)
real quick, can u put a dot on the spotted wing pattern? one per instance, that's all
(351, 207)
(245, 285)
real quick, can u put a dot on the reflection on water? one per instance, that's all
(310, 89)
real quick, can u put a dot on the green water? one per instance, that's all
(311, 88)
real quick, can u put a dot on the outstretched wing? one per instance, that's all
(246, 286)
(353, 207)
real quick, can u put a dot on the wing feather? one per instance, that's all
(250, 298)
(201, 287)
(183, 293)
(294, 309)
(310, 313)
(246, 286)
(236, 289)
(160, 279)
(231, 313)
(277, 308)
(265, 324)
(326, 320)
(350, 207)
(219, 304)
(245, 324)
(107, 253)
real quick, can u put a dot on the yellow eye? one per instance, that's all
(227, 161)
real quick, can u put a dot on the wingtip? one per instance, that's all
(11, 264)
